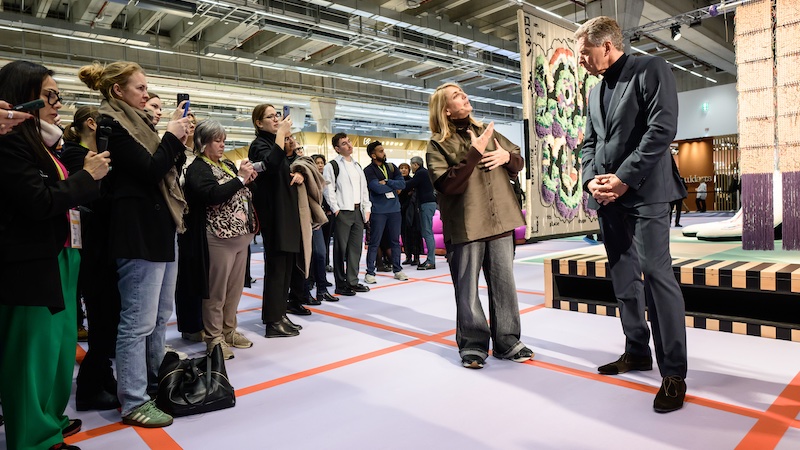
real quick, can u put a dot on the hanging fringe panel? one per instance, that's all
(757, 124)
(787, 35)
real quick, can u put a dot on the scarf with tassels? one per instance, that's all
(137, 123)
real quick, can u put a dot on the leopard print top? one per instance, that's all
(235, 216)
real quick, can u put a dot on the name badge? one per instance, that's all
(75, 228)
(390, 195)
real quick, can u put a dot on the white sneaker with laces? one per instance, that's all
(370, 279)
(400, 276)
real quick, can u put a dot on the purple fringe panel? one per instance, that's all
(791, 210)
(758, 232)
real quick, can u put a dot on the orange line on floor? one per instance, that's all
(334, 365)
(381, 326)
(80, 353)
(157, 438)
(95, 432)
(770, 428)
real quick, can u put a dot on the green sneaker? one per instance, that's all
(148, 416)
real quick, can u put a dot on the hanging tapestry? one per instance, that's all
(555, 93)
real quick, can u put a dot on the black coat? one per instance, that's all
(141, 224)
(275, 199)
(202, 190)
(34, 225)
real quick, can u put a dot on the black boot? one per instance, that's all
(280, 329)
(295, 307)
(291, 324)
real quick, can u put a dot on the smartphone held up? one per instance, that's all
(182, 98)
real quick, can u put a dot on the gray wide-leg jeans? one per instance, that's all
(496, 258)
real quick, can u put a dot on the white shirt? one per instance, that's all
(349, 186)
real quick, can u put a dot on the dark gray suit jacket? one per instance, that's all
(633, 140)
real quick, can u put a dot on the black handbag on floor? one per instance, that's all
(194, 386)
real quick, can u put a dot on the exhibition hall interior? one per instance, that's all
(380, 368)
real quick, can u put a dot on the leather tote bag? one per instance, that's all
(194, 386)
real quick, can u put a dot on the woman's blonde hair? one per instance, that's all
(78, 125)
(438, 119)
(102, 78)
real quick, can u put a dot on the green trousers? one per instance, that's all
(37, 359)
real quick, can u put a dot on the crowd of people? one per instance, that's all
(171, 225)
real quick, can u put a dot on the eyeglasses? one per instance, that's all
(54, 97)
(272, 116)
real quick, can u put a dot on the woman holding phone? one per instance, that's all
(39, 264)
(147, 208)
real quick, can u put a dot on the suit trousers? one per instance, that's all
(277, 279)
(496, 258)
(637, 243)
(348, 240)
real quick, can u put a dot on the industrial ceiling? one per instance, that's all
(379, 59)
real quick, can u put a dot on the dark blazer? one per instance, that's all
(632, 140)
(275, 199)
(141, 224)
(202, 190)
(34, 225)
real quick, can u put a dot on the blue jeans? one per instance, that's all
(377, 223)
(426, 212)
(147, 291)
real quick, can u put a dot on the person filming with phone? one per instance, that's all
(39, 260)
(147, 208)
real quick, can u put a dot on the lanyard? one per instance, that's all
(224, 167)
(62, 171)
(383, 169)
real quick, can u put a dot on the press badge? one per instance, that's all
(75, 228)
(390, 194)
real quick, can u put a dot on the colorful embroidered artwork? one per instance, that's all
(555, 94)
(562, 88)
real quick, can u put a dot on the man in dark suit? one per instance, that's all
(631, 176)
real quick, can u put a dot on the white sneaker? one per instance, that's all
(400, 276)
(370, 279)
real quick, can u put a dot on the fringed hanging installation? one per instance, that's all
(756, 117)
(787, 34)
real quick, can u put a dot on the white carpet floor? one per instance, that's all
(381, 371)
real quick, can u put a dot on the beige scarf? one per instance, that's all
(309, 202)
(137, 123)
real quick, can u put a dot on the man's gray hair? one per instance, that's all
(417, 160)
(601, 29)
(207, 131)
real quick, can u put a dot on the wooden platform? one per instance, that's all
(742, 297)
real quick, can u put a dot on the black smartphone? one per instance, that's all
(286, 111)
(30, 106)
(181, 98)
(102, 138)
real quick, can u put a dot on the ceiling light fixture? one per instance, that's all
(676, 32)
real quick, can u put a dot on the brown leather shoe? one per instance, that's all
(671, 395)
(626, 363)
